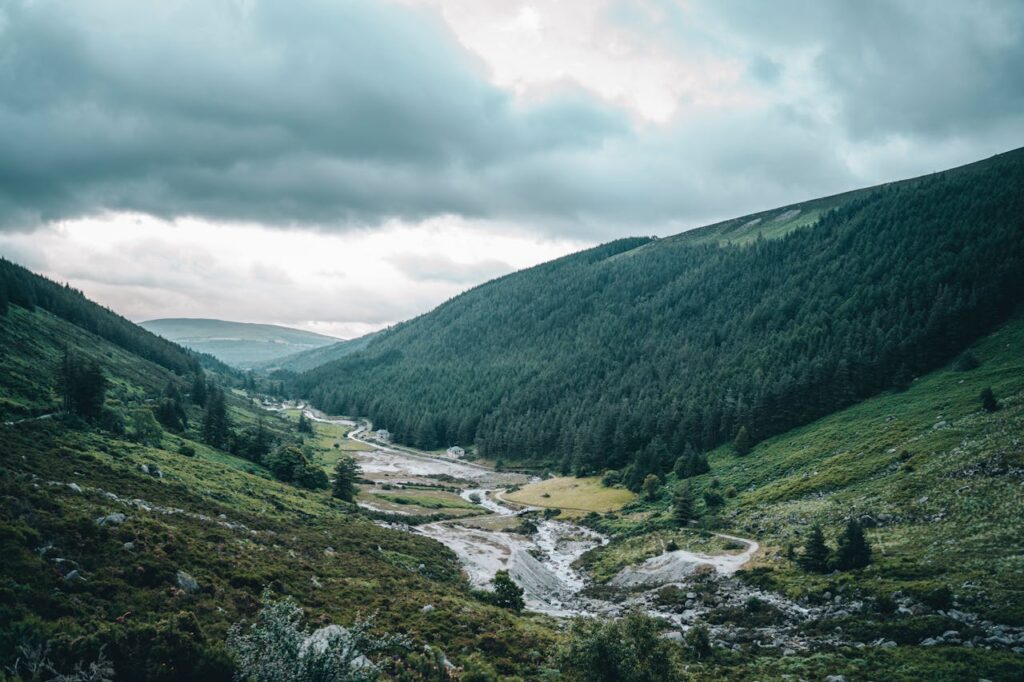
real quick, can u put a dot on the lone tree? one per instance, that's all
(650, 486)
(199, 392)
(305, 425)
(346, 473)
(816, 552)
(507, 594)
(742, 443)
(988, 400)
(854, 550)
(683, 507)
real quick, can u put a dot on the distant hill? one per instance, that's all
(626, 355)
(309, 359)
(240, 344)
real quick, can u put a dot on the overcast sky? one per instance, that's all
(341, 166)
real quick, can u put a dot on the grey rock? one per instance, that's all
(75, 487)
(187, 582)
(950, 634)
(428, 608)
(929, 642)
(835, 678)
(115, 519)
(128, 546)
(75, 576)
(789, 652)
(888, 644)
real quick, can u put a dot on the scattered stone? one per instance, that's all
(75, 487)
(75, 576)
(187, 582)
(835, 678)
(788, 652)
(950, 634)
(115, 519)
(428, 608)
(128, 546)
(888, 644)
(929, 642)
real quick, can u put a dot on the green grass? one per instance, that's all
(572, 495)
(919, 456)
(427, 499)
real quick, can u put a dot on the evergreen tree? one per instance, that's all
(82, 386)
(507, 594)
(346, 474)
(854, 550)
(3, 297)
(683, 505)
(988, 400)
(816, 552)
(305, 425)
(216, 423)
(742, 444)
(199, 392)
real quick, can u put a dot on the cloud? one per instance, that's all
(441, 268)
(583, 119)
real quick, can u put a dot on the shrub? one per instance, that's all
(186, 450)
(278, 648)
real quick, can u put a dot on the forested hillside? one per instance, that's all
(635, 350)
(314, 357)
(24, 288)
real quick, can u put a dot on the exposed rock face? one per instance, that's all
(187, 582)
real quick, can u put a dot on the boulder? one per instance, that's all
(115, 519)
(187, 582)
(428, 608)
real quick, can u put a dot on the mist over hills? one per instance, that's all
(240, 344)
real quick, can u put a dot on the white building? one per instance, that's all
(456, 451)
(384, 435)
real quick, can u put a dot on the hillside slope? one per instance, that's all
(315, 357)
(627, 353)
(148, 550)
(239, 344)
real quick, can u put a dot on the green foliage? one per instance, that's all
(289, 464)
(628, 649)
(742, 443)
(304, 425)
(28, 290)
(853, 550)
(651, 486)
(683, 506)
(988, 400)
(277, 648)
(507, 594)
(346, 474)
(81, 385)
(144, 428)
(611, 478)
(698, 643)
(815, 557)
(966, 362)
(594, 356)
(691, 463)
(216, 422)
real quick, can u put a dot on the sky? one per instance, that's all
(342, 166)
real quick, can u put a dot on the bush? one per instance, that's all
(186, 450)
(629, 649)
(277, 648)
(967, 362)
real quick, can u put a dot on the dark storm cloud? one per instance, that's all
(349, 113)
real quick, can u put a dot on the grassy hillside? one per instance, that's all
(222, 520)
(239, 344)
(624, 355)
(315, 357)
(936, 478)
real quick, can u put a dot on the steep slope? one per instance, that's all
(240, 344)
(149, 550)
(315, 357)
(627, 353)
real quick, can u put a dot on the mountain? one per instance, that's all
(315, 357)
(239, 344)
(625, 355)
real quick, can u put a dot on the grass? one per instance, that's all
(572, 494)
(946, 473)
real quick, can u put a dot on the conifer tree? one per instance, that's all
(199, 393)
(346, 473)
(742, 444)
(683, 505)
(507, 594)
(216, 424)
(816, 552)
(988, 400)
(854, 550)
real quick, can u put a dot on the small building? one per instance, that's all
(456, 451)
(384, 435)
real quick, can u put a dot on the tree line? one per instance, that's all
(630, 353)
